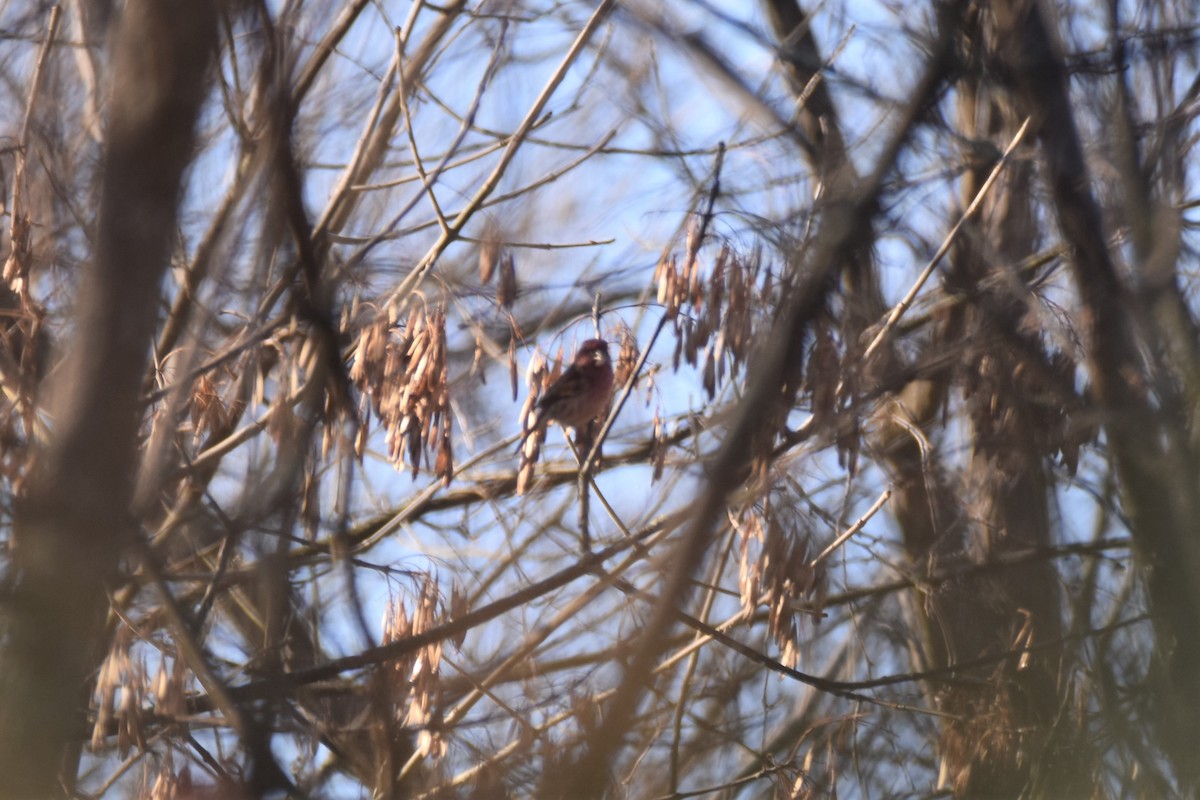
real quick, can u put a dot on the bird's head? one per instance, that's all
(593, 352)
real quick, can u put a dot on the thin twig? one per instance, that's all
(387, 234)
(685, 685)
(327, 46)
(853, 529)
(427, 180)
(414, 278)
(899, 309)
(544, 245)
(19, 225)
(346, 183)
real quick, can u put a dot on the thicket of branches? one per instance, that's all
(897, 496)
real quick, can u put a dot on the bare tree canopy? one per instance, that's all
(890, 311)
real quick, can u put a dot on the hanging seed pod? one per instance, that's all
(506, 289)
(489, 256)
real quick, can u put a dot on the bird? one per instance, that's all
(573, 401)
(581, 393)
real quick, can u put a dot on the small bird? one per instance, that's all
(581, 392)
(579, 395)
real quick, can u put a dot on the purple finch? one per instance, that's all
(579, 395)
(581, 392)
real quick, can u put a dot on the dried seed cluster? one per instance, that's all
(210, 412)
(401, 372)
(628, 354)
(713, 316)
(493, 255)
(169, 784)
(416, 678)
(24, 351)
(831, 380)
(120, 696)
(1020, 399)
(538, 377)
(775, 570)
